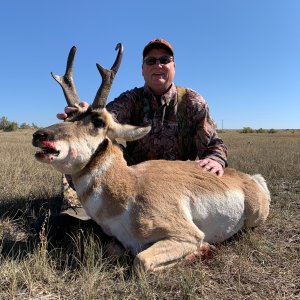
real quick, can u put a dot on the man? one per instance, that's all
(181, 124)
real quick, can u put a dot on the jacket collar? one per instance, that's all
(167, 98)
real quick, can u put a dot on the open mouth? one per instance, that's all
(47, 152)
(48, 147)
(158, 74)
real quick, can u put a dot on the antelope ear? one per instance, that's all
(127, 132)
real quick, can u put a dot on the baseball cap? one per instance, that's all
(158, 43)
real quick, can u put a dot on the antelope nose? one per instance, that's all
(40, 135)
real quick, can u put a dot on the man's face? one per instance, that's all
(158, 77)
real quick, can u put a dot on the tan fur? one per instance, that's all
(160, 210)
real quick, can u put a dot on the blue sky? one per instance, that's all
(243, 56)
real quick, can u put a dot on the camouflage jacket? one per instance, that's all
(140, 107)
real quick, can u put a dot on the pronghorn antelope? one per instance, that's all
(161, 211)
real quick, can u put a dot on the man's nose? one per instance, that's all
(158, 62)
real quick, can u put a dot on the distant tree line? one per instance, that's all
(260, 130)
(7, 125)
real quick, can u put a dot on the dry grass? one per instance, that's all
(259, 264)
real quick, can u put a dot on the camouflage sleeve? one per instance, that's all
(122, 107)
(208, 144)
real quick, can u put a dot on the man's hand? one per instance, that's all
(211, 165)
(69, 110)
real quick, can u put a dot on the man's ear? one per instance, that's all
(143, 69)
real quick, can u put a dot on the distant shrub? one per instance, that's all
(34, 126)
(8, 126)
(272, 130)
(4, 123)
(24, 126)
(13, 126)
(260, 130)
(247, 130)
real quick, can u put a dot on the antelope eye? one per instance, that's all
(99, 123)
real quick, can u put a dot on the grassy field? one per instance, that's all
(260, 264)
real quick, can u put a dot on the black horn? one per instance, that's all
(107, 79)
(66, 81)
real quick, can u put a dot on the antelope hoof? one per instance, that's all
(206, 251)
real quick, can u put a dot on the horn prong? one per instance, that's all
(107, 79)
(66, 81)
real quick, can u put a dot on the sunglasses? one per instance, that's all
(166, 59)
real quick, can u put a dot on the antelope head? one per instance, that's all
(70, 145)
